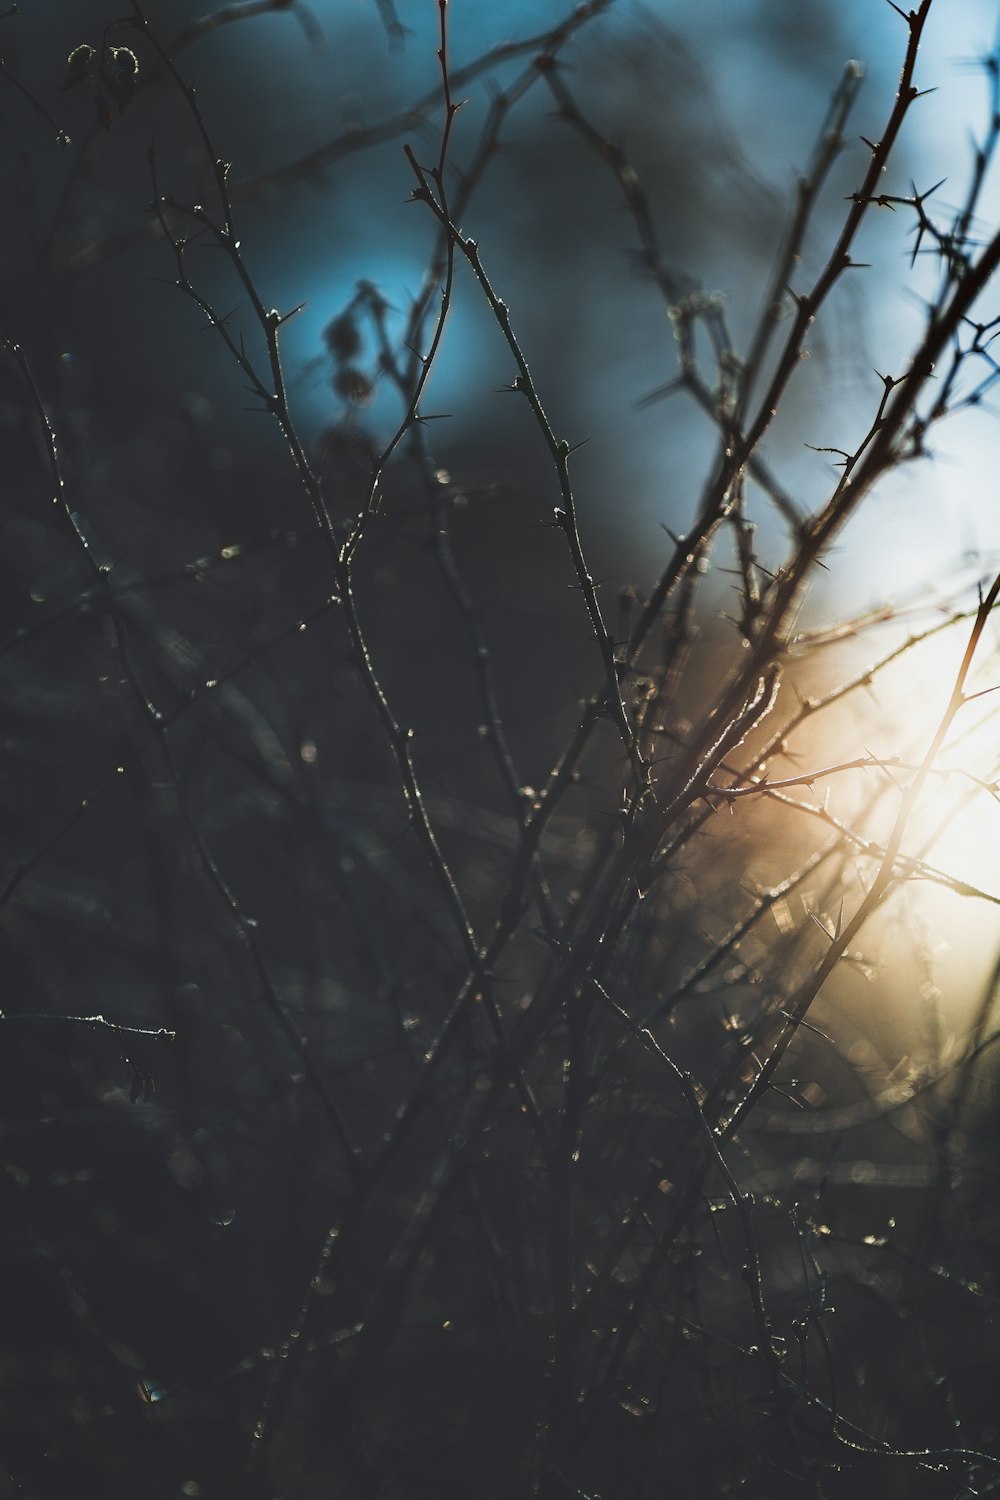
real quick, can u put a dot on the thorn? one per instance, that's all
(822, 925)
(661, 392)
(983, 693)
(290, 314)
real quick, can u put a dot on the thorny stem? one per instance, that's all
(548, 1072)
(798, 1006)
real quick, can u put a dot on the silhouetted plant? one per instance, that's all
(384, 1117)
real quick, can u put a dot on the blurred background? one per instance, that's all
(717, 112)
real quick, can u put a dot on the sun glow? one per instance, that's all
(838, 778)
(948, 848)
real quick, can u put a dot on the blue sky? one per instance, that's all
(768, 70)
(737, 86)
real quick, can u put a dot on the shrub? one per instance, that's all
(476, 1025)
